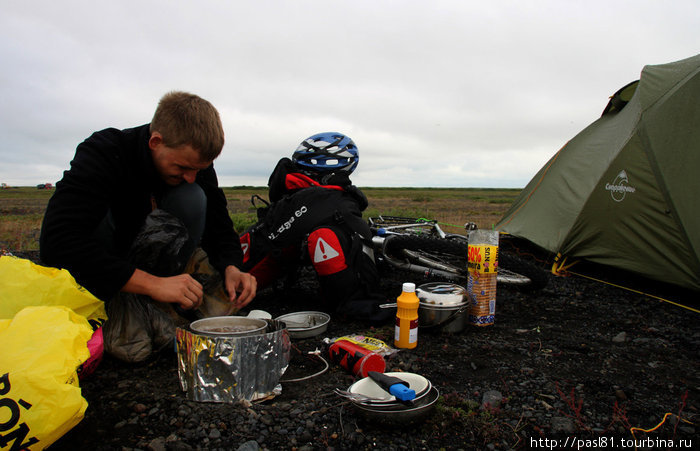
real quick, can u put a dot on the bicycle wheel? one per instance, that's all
(447, 259)
(434, 258)
(516, 271)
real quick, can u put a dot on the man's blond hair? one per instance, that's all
(186, 119)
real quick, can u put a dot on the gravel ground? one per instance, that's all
(579, 360)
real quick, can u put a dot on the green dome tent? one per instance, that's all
(625, 191)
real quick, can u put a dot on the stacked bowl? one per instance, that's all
(374, 403)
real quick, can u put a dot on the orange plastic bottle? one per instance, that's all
(406, 329)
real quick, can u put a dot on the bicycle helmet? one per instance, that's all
(327, 152)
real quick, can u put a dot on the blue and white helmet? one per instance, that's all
(327, 152)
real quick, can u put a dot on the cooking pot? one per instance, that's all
(443, 305)
(233, 359)
(238, 326)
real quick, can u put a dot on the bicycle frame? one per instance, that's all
(385, 227)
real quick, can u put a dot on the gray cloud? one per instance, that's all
(443, 93)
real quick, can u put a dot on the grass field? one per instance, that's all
(22, 209)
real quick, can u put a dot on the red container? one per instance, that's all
(355, 358)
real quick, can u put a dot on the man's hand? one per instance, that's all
(182, 289)
(241, 286)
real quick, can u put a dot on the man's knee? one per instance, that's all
(188, 203)
(182, 199)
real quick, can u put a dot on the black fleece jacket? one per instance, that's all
(113, 170)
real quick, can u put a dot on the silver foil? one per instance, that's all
(232, 368)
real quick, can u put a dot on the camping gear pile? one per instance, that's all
(624, 191)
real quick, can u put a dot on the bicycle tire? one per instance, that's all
(454, 253)
(513, 263)
(450, 253)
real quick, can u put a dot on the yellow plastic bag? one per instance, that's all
(40, 399)
(46, 334)
(26, 284)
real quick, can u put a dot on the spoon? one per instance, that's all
(359, 397)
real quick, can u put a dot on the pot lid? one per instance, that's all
(440, 293)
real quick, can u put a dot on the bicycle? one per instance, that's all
(420, 246)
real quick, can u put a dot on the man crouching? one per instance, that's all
(128, 215)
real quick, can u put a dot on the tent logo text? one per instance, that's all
(619, 187)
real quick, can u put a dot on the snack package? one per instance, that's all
(483, 268)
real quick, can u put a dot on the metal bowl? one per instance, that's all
(234, 326)
(401, 415)
(305, 324)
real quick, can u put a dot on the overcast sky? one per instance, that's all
(434, 93)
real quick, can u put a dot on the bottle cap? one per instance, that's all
(370, 362)
(409, 287)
